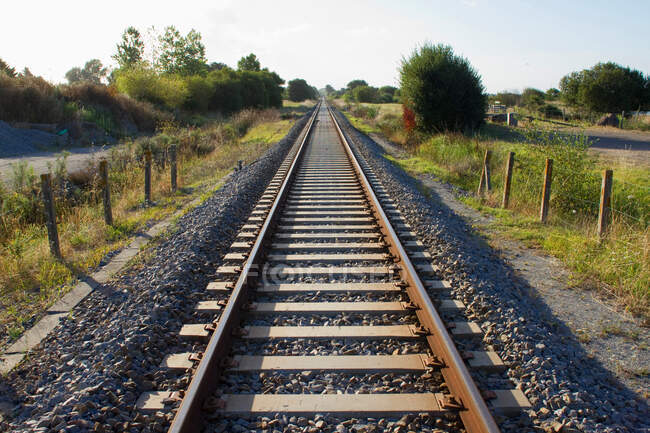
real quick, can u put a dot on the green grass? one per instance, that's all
(31, 280)
(618, 266)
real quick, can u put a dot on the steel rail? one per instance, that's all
(188, 417)
(474, 412)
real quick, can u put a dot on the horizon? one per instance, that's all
(361, 40)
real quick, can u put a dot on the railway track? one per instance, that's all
(328, 304)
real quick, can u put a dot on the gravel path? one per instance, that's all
(566, 383)
(89, 372)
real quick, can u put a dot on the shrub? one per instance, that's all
(200, 90)
(146, 85)
(144, 115)
(29, 99)
(443, 90)
(365, 94)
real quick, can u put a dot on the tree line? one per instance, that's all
(360, 91)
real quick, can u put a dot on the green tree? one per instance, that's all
(532, 98)
(355, 83)
(365, 94)
(442, 89)
(130, 51)
(329, 90)
(184, 55)
(248, 63)
(92, 72)
(299, 90)
(552, 94)
(387, 94)
(4, 67)
(606, 87)
(216, 66)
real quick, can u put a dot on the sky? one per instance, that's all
(512, 44)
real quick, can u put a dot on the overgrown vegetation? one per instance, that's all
(31, 280)
(359, 91)
(619, 265)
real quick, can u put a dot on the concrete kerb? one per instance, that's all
(15, 353)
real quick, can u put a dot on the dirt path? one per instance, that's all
(77, 160)
(609, 335)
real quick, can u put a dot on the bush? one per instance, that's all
(365, 94)
(144, 115)
(29, 99)
(145, 84)
(442, 89)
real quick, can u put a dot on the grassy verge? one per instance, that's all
(619, 265)
(31, 280)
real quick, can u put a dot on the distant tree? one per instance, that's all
(606, 87)
(329, 90)
(92, 72)
(387, 93)
(4, 67)
(26, 72)
(298, 90)
(532, 98)
(248, 63)
(365, 94)
(509, 99)
(356, 83)
(552, 94)
(130, 51)
(184, 55)
(442, 90)
(216, 66)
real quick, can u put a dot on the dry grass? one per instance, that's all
(31, 280)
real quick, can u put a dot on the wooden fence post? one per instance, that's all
(106, 193)
(484, 183)
(605, 203)
(147, 176)
(507, 180)
(546, 191)
(50, 215)
(172, 163)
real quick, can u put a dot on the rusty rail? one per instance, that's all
(188, 416)
(474, 412)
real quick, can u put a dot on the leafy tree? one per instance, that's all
(606, 87)
(248, 63)
(365, 94)
(329, 90)
(184, 55)
(552, 94)
(442, 89)
(299, 90)
(533, 98)
(4, 67)
(509, 99)
(216, 66)
(92, 72)
(387, 93)
(356, 83)
(130, 51)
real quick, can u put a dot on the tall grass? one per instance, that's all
(31, 279)
(620, 265)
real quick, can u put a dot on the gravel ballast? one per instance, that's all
(88, 374)
(566, 387)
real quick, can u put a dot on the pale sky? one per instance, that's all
(513, 44)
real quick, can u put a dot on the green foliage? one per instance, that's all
(329, 90)
(200, 91)
(552, 94)
(145, 84)
(387, 94)
(365, 94)
(442, 89)
(356, 83)
(184, 55)
(249, 63)
(298, 90)
(130, 51)
(606, 87)
(532, 98)
(92, 72)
